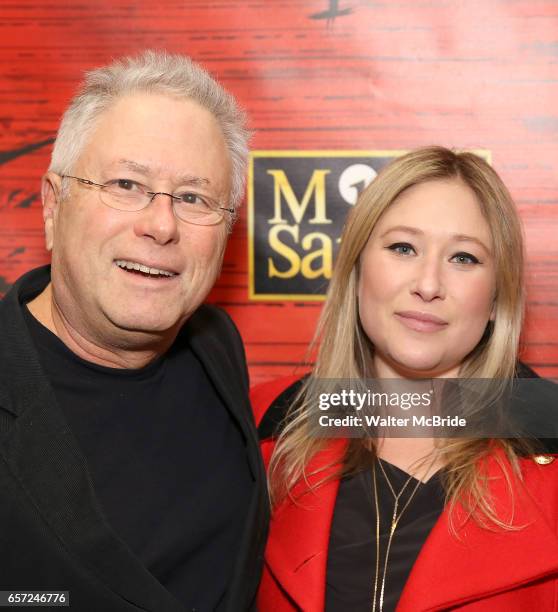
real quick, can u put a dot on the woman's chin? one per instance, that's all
(419, 366)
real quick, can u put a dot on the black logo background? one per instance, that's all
(300, 169)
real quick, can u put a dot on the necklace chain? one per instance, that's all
(378, 601)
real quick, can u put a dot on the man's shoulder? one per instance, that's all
(271, 402)
(209, 317)
(19, 368)
(28, 284)
(213, 336)
(211, 324)
(12, 324)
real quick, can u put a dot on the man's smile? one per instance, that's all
(143, 269)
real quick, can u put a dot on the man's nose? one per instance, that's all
(429, 282)
(157, 220)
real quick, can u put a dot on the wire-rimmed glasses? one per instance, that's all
(131, 196)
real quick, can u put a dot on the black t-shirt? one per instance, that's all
(168, 463)
(351, 563)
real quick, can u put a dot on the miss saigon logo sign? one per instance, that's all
(297, 204)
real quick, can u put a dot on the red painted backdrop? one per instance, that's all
(317, 74)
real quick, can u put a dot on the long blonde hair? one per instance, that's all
(343, 351)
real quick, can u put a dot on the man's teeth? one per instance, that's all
(132, 265)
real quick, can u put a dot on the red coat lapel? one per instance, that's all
(451, 571)
(299, 535)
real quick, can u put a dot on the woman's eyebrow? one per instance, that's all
(466, 238)
(418, 232)
(403, 228)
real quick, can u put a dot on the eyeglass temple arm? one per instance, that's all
(82, 180)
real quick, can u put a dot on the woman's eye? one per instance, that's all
(403, 248)
(464, 258)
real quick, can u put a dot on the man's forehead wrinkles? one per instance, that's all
(183, 179)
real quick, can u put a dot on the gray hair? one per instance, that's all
(152, 71)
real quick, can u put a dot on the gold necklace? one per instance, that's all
(394, 521)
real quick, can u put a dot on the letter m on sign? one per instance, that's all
(283, 191)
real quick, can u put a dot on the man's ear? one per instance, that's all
(51, 186)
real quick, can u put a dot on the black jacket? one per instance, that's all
(53, 535)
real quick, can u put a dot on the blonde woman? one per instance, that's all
(428, 284)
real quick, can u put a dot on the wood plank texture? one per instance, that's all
(380, 75)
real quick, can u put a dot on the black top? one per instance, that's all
(351, 564)
(168, 464)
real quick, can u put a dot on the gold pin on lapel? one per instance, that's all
(543, 459)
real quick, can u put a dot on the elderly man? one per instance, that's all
(130, 472)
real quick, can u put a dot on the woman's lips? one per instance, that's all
(421, 321)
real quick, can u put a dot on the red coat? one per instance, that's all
(483, 571)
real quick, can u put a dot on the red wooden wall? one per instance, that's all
(377, 75)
